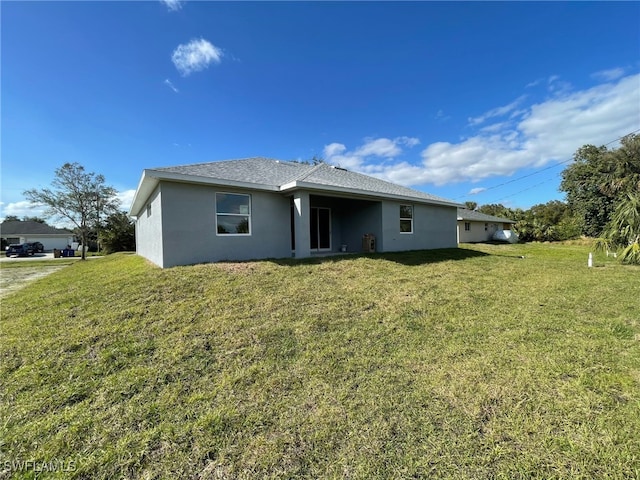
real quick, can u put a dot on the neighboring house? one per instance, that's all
(260, 208)
(29, 231)
(478, 227)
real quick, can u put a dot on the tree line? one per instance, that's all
(602, 189)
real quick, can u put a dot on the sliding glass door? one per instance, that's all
(320, 228)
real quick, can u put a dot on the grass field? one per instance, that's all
(471, 363)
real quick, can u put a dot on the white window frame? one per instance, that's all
(248, 215)
(410, 219)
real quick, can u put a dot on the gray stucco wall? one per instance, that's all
(181, 229)
(189, 226)
(149, 230)
(433, 227)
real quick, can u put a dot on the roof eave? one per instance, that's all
(151, 178)
(146, 186)
(297, 185)
(501, 220)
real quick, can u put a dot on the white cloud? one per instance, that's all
(497, 112)
(609, 75)
(168, 83)
(195, 56)
(475, 191)
(173, 5)
(544, 132)
(558, 87)
(440, 116)
(551, 131)
(337, 153)
(126, 198)
(408, 141)
(21, 209)
(333, 149)
(379, 147)
(494, 127)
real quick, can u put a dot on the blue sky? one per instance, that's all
(476, 101)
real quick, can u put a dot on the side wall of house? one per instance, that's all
(149, 229)
(189, 226)
(479, 231)
(434, 226)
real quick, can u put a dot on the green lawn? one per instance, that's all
(471, 363)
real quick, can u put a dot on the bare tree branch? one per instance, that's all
(77, 196)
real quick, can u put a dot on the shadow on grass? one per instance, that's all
(410, 258)
(421, 257)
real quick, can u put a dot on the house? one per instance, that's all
(479, 227)
(16, 231)
(260, 208)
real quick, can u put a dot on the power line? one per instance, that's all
(542, 169)
(518, 178)
(528, 188)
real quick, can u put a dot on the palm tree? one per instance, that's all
(623, 230)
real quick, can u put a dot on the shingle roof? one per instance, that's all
(472, 215)
(29, 227)
(257, 170)
(338, 177)
(275, 173)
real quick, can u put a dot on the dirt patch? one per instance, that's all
(12, 279)
(240, 267)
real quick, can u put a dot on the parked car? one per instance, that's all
(36, 246)
(19, 249)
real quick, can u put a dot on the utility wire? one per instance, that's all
(541, 170)
(528, 188)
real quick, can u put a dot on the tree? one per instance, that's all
(545, 222)
(77, 196)
(34, 219)
(497, 210)
(11, 218)
(599, 179)
(118, 233)
(624, 230)
(471, 205)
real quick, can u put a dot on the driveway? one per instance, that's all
(12, 279)
(35, 256)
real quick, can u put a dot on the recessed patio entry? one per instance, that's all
(320, 235)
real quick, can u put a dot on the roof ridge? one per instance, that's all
(228, 160)
(308, 172)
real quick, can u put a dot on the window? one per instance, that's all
(233, 214)
(148, 210)
(486, 227)
(406, 219)
(467, 226)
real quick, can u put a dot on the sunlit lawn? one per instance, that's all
(465, 363)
